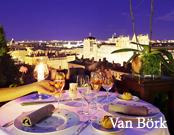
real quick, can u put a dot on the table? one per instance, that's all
(148, 88)
(13, 109)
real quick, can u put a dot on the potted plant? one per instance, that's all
(147, 61)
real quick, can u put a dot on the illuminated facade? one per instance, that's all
(100, 50)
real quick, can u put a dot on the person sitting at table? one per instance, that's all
(44, 87)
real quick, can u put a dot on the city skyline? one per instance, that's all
(73, 20)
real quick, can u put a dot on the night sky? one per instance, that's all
(74, 19)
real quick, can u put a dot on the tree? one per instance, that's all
(8, 70)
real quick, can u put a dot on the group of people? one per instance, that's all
(44, 87)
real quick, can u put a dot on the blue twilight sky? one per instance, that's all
(74, 19)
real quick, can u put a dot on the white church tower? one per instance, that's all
(89, 48)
